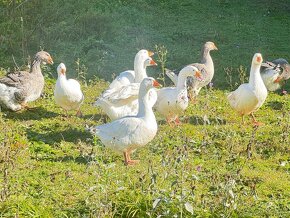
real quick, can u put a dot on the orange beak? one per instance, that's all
(49, 60)
(259, 59)
(152, 63)
(198, 74)
(62, 71)
(156, 84)
(150, 53)
(279, 78)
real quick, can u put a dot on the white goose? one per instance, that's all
(249, 97)
(172, 101)
(128, 133)
(121, 98)
(67, 92)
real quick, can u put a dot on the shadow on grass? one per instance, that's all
(275, 105)
(36, 113)
(69, 135)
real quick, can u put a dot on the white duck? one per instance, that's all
(121, 98)
(136, 75)
(274, 73)
(249, 97)
(67, 92)
(206, 67)
(19, 88)
(172, 101)
(128, 133)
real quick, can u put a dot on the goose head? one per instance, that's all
(61, 69)
(210, 46)
(257, 60)
(149, 62)
(149, 83)
(285, 75)
(191, 71)
(143, 55)
(44, 57)
(147, 92)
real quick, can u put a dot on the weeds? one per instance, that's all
(162, 59)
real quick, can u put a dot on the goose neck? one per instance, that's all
(140, 72)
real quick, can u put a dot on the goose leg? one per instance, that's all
(256, 123)
(177, 121)
(128, 160)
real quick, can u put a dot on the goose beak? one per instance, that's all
(156, 84)
(150, 53)
(198, 74)
(214, 47)
(49, 60)
(279, 78)
(62, 71)
(152, 63)
(259, 59)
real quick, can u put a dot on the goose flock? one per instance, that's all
(131, 98)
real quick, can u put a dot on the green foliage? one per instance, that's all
(105, 35)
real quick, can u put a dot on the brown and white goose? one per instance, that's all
(18, 88)
(206, 67)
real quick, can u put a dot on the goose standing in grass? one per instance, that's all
(121, 98)
(249, 97)
(206, 67)
(67, 92)
(128, 133)
(172, 101)
(19, 88)
(275, 73)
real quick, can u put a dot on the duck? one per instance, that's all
(121, 98)
(20, 87)
(172, 101)
(128, 133)
(67, 92)
(249, 97)
(136, 75)
(275, 73)
(206, 67)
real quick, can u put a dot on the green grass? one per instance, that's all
(51, 167)
(105, 36)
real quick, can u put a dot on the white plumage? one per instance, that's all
(67, 92)
(249, 97)
(121, 98)
(172, 101)
(128, 133)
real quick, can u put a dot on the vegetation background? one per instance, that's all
(211, 166)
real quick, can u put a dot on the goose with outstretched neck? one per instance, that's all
(206, 67)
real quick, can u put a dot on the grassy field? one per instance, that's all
(210, 166)
(102, 37)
